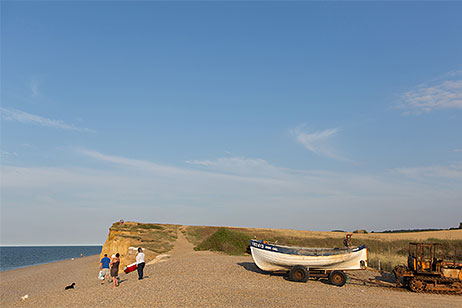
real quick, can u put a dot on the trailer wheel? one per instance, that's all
(299, 273)
(337, 278)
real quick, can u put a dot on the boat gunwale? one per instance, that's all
(304, 251)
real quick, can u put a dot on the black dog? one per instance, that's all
(70, 287)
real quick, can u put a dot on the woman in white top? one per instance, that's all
(140, 263)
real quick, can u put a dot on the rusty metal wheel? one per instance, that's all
(299, 273)
(337, 278)
(417, 285)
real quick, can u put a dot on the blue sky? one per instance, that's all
(303, 115)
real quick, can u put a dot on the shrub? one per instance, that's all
(228, 241)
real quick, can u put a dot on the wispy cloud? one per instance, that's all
(457, 150)
(134, 163)
(453, 170)
(200, 162)
(223, 176)
(222, 169)
(28, 118)
(34, 87)
(236, 191)
(442, 93)
(239, 165)
(316, 142)
(7, 155)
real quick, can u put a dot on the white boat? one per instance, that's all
(272, 257)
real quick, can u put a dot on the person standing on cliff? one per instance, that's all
(104, 267)
(140, 263)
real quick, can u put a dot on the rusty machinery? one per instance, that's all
(426, 271)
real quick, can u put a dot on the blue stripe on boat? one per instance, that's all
(303, 251)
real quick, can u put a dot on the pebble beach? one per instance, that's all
(187, 278)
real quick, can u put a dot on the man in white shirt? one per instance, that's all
(140, 263)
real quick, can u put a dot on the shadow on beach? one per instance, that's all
(386, 277)
(122, 280)
(251, 267)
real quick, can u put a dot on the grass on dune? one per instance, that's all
(225, 240)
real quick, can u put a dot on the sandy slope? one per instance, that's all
(194, 279)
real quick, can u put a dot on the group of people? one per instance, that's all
(110, 267)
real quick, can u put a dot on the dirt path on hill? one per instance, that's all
(182, 246)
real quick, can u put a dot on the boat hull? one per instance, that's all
(279, 258)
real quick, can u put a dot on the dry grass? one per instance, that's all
(414, 236)
(385, 261)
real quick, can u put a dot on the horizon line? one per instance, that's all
(49, 245)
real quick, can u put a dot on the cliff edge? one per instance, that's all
(125, 238)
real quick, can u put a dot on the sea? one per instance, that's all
(13, 257)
